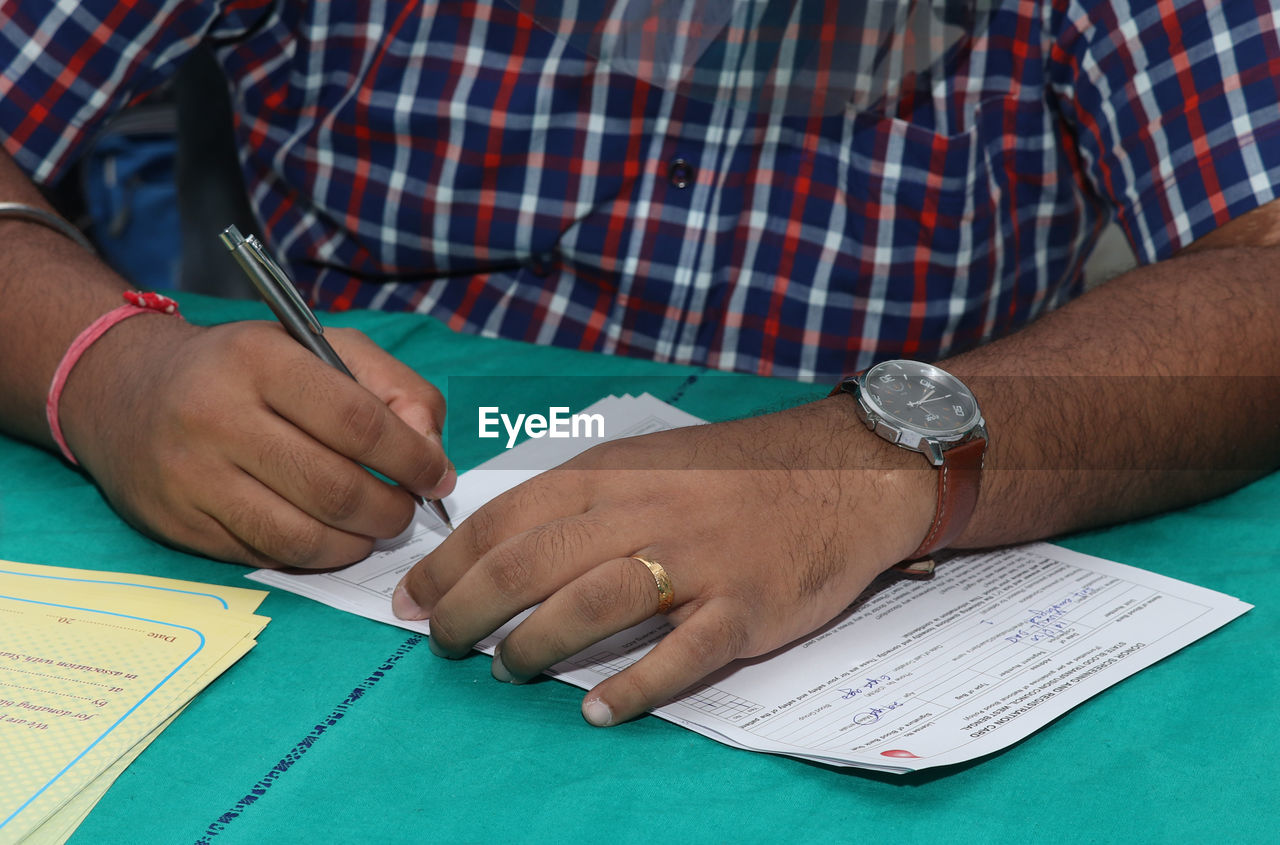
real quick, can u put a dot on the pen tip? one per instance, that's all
(437, 507)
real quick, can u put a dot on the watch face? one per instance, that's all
(920, 397)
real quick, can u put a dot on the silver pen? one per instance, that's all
(291, 310)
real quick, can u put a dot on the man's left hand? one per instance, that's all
(768, 527)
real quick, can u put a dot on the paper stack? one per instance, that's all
(93, 665)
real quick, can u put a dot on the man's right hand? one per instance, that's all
(238, 443)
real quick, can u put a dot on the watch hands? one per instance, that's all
(921, 400)
(927, 399)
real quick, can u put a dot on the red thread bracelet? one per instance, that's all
(137, 303)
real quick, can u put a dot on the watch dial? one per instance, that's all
(921, 397)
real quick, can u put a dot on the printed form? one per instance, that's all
(913, 675)
(93, 665)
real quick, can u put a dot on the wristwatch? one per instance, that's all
(926, 409)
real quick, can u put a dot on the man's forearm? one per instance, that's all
(1156, 390)
(50, 289)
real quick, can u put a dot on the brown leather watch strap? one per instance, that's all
(959, 479)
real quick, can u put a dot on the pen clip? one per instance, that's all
(260, 252)
(251, 248)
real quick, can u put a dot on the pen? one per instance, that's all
(291, 310)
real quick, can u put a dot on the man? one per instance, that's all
(463, 161)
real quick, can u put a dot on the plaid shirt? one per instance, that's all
(457, 159)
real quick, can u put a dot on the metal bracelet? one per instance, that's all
(22, 211)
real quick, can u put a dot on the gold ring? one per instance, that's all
(666, 595)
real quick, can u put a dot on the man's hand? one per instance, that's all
(1108, 409)
(768, 527)
(238, 443)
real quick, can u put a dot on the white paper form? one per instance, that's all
(917, 674)
(914, 675)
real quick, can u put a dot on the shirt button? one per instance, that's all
(542, 264)
(680, 173)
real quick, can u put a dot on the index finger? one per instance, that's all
(543, 500)
(352, 421)
(414, 399)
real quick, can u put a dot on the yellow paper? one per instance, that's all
(92, 665)
(58, 827)
(143, 588)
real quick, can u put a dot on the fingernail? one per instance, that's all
(597, 712)
(403, 605)
(445, 485)
(499, 669)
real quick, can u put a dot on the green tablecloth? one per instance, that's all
(338, 729)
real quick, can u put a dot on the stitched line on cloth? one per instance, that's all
(259, 789)
(679, 391)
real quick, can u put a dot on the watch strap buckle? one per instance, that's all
(916, 570)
